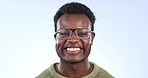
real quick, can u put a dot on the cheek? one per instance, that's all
(59, 44)
(87, 42)
(58, 47)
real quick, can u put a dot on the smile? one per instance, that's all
(73, 49)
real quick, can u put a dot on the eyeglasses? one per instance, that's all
(82, 33)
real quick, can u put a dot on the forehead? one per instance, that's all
(73, 21)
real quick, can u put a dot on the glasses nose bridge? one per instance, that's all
(73, 32)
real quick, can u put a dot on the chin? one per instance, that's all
(75, 60)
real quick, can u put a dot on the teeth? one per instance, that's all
(73, 49)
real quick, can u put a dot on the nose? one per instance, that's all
(73, 38)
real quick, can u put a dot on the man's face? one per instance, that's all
(73, 48)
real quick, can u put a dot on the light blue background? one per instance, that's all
(27, 45)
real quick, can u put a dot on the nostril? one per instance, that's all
(73, 39)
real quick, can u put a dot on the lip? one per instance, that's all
(73, 46)
(73, 50)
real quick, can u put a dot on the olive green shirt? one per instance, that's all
(97, 72)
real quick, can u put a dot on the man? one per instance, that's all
(74, 26)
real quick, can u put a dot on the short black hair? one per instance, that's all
(74, 8)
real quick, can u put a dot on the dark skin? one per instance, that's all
(74, 64)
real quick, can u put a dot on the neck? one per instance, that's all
(74, 70)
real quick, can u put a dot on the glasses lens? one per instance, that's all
(63, 33)
(83, 33)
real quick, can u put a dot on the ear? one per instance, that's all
(92, 37)
(55, 36)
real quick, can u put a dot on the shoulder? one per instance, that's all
(46, 73)
(100, 72)
(50, 73)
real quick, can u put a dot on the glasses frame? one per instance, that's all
(73, 31)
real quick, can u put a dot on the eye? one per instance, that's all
(63, 34)
(83, 34)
